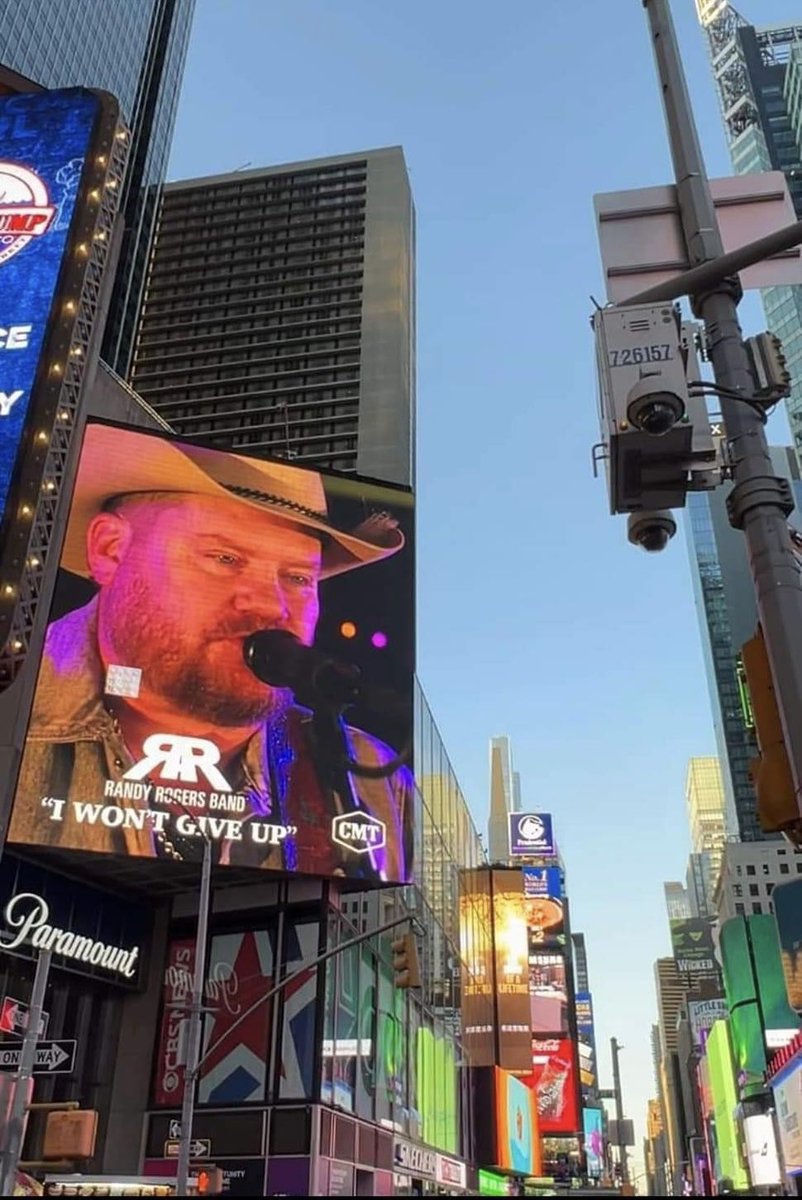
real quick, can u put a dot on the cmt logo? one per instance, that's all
(25, 209)
(359, 832)
(180, 758)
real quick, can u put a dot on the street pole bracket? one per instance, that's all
(754, 493)
(729, 284)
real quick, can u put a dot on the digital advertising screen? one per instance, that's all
(478, 1007)
(531, 835)
(517, 1134)
(787, 903)
(554, 1082)
(45, 138)
(230, 657)
(548, 993)
(544, 906)
(586, 1037)
(511, 954)
(594, 1141)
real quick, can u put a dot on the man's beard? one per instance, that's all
(174, 670)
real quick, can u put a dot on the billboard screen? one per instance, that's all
(548, 993)
(531, 835)
(594, 1141)
(692, 942)
(554, 1081)
(544, 905)
(476, 953)
(517, 1136)
(787, 901)
(46, 137)
(230, 657)
(787, 1088)
(703, 1014)
(586, 1037)
(511, 947)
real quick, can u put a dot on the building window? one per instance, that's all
(785, 869)
(766, 868)
(754, 889)
(750, 870)
(738, 889)
(757, 908)
(739, 909)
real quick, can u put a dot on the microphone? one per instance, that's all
(278, 658)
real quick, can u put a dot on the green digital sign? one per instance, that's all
(493, 1185)
(437, 1091)
(725, 1098)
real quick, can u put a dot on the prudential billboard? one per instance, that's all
(531, 835)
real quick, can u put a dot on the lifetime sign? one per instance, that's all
(29, 915)
(52, 1058)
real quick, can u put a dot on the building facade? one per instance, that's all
(749, 874)
(678, 904)
(699, 884)
(279, 313)
(758, 76)
(706, 805)
(727, 613)
(136, 51)
(502, 798)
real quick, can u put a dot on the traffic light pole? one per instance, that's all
(760, 502)
(619, 1111)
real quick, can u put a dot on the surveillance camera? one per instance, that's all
(651, 531)
(653, 409)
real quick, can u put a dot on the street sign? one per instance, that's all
(175, 1129)
(14, 1017)
(642, 244)
(52, 1058)
(198, 1148)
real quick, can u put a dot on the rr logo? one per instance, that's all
(180, 758)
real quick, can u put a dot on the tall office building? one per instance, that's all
(725, 604)
(580, 962)
(678, 906)
(136, 50)
(706, 806)
(279, 315)
(758, 75)
(699, 883)
(502, 799)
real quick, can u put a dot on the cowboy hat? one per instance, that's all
(119, 462)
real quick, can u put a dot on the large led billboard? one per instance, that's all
(586, 1039)
(478, 1007)
(45, 137)
(517, 1135)
(594, 1141)
(787, 902)
(511, 953)
(554, 1081)
(548, 993)
(230, 657)
(531, 835)
(544, 905)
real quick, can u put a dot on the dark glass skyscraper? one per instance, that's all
(136, 50)
(758, 76)
(725, 602)
(279, 316)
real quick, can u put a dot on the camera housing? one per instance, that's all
(652, 408)
(651, 530)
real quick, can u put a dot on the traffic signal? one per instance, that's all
(209, 1181)
(771, 772)
(769, 365)
(405, 962)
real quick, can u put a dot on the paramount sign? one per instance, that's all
(29, 916)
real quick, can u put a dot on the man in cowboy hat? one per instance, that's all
(192, 551)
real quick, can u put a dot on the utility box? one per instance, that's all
(70, 1135)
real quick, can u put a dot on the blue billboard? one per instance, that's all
(531, 835)
(586, 1039)
(44, 141)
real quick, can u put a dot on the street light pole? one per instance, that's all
(15, 1129)
(194, 1024)
(760, 502)
(619, 1111)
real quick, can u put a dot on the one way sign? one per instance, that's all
(52, 1058)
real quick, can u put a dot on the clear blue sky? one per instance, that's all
(536, 618)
